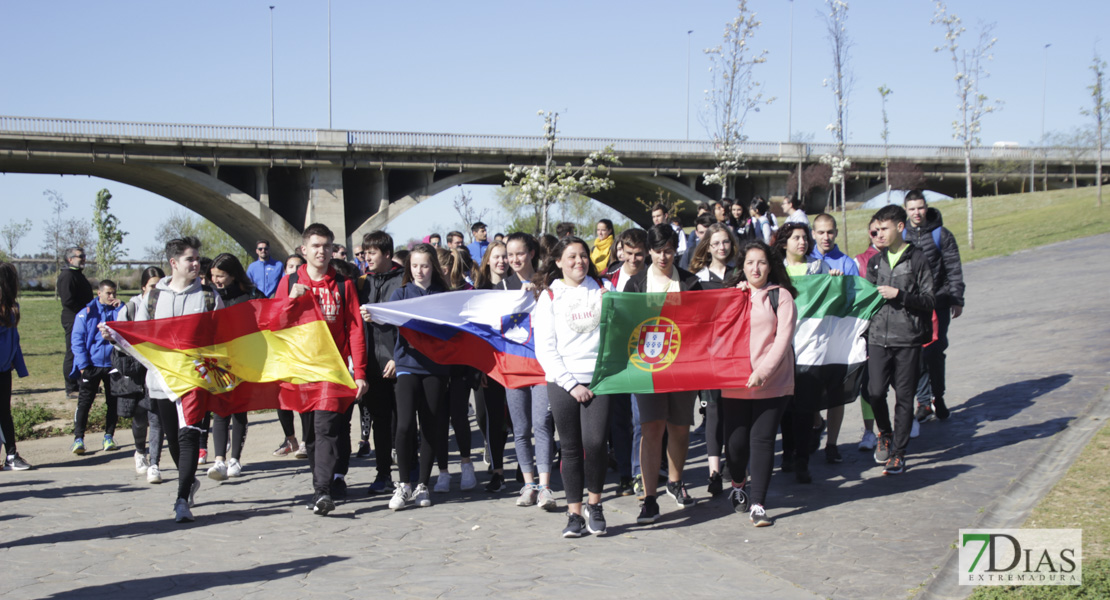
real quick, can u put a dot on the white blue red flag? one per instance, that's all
(490, 330)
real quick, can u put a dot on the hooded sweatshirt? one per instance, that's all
(344, 322)
(944, 260)
(567, 323)
(90, 349)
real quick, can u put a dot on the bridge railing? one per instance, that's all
(165, 131)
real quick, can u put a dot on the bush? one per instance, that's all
(26, 416)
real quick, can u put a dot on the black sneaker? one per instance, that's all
(832, 455)
(895, 466)
(338, 489)
(575, 526)
(759, 516)
(15, 462)
(882, 451)
(738, 497)
(801, 473)
(677, 490)
(595, 519)
(924, 413)
(787, 464)
(380, 486)
(363, 449)
(940, 408)
(649, 511)
(625, 487)
(716, 484)
(496, 483)
(323, 505)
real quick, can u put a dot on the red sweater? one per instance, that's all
(344, 322)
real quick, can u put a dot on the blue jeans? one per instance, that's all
(635, 436)
(531, 412)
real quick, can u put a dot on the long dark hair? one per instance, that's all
(701, 258)
(229, 264)
(551, 271)
(787, 230)
(9, 289)
(777, 274)
(150, 273)
(437, 269)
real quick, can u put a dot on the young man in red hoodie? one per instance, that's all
(331, 414)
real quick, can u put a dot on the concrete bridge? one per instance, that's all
(271, 182)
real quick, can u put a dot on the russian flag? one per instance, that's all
(490, 330)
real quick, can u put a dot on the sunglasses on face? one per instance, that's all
(874, 233)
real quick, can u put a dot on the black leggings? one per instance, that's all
(285, 417)
(184, 443)
(750, 428)
(491, 420)
(140, 425)
(583, 430)
(714, 423)
(458, 409)
(7, 424)
(380, 405)
(423, 396)
(238, 423)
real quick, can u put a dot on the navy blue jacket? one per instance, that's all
(406, 358)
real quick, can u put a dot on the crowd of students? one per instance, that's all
(408, 403)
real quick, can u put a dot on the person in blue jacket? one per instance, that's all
(825, 248)
(11, 359)
(92, 360)
(265, 273)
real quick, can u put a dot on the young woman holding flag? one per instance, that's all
(489, 398)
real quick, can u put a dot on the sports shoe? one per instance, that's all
(496, 483)
(759, 516)
(868, 441)
(421, 496)
(193, 492)
(882, 451)
(915, 429)
(141, 464)
(323, 505)
(738, 497)
(338, 488)
(402, 495)
(626, 487)
(285, 449)
(380, 485)
(575, 526)
(218, 471)
(546, 499)
(595, 519)
(181, 512)
(363, 449)
(832, 455)
(528, 495)
(234, 468)
(895, 466)
(78, 447)
(468, 480)
(202, 457)
(15, 462)
(302, 451)
(649, 511)
(153, 475)
(638, 487)
(924, 413)
(443, 483)
(677, 490)
(940, 408)
(110, 444)
(716, 484)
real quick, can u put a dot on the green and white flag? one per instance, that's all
(833, 315)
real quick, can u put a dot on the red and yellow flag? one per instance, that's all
(254, 355)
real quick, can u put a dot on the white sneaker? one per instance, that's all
(915, 429)
(141, 464)
(153, 475)
(218, 471)
(181, 512)
(443, 483)
(234, 469)
(302, 451)
(546, 499)
(469, 481)
(422, 497)
(868, 441)
(402, 495)
(528, 495)
(193, 492)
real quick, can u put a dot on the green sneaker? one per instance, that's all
(638, 486)
(78, 447)
(109, 443)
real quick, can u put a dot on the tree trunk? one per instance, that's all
(1098, 166)
(970, 207)
(844, 210)
(1074, 182)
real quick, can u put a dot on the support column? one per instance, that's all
(325, 200)
(379, 191)
(262, 185)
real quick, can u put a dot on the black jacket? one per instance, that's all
(944, 262)
(686, 281)
(233, 296)
(75, 291)
(906, 320)
(374, 288)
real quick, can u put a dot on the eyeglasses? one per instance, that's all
(719, 244)
(262, 248)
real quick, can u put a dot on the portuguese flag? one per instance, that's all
(654, 343)
(254, 355)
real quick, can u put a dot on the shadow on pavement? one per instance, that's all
(62, 492)
(180, 583)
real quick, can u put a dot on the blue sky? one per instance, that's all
(613, 69)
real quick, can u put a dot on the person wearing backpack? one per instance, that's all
(123, 363)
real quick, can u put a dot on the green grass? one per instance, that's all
(26, 416)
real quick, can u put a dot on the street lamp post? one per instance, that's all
(272, 66)
(688, 32)
(329, 64)
(1044, 97)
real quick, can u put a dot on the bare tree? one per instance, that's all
(464, 206)
(734, 94)
(1074, 144)
(62, 233)
(12, 233)
(1100, 111)
(883, 93)
(970, 69)
(1001, 170)
(836, 19)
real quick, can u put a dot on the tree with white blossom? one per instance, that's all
(548, 184)
(841, 82)
(970, 67)
(733, 95)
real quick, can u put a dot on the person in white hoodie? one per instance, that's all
(567, 320)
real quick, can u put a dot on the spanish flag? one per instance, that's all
(254, 355)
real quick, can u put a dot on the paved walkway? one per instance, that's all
(1027, 377)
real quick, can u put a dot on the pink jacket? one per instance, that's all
(772, 350)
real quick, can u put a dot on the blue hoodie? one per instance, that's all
(837, 260)
(11, 355)
(90, 349)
